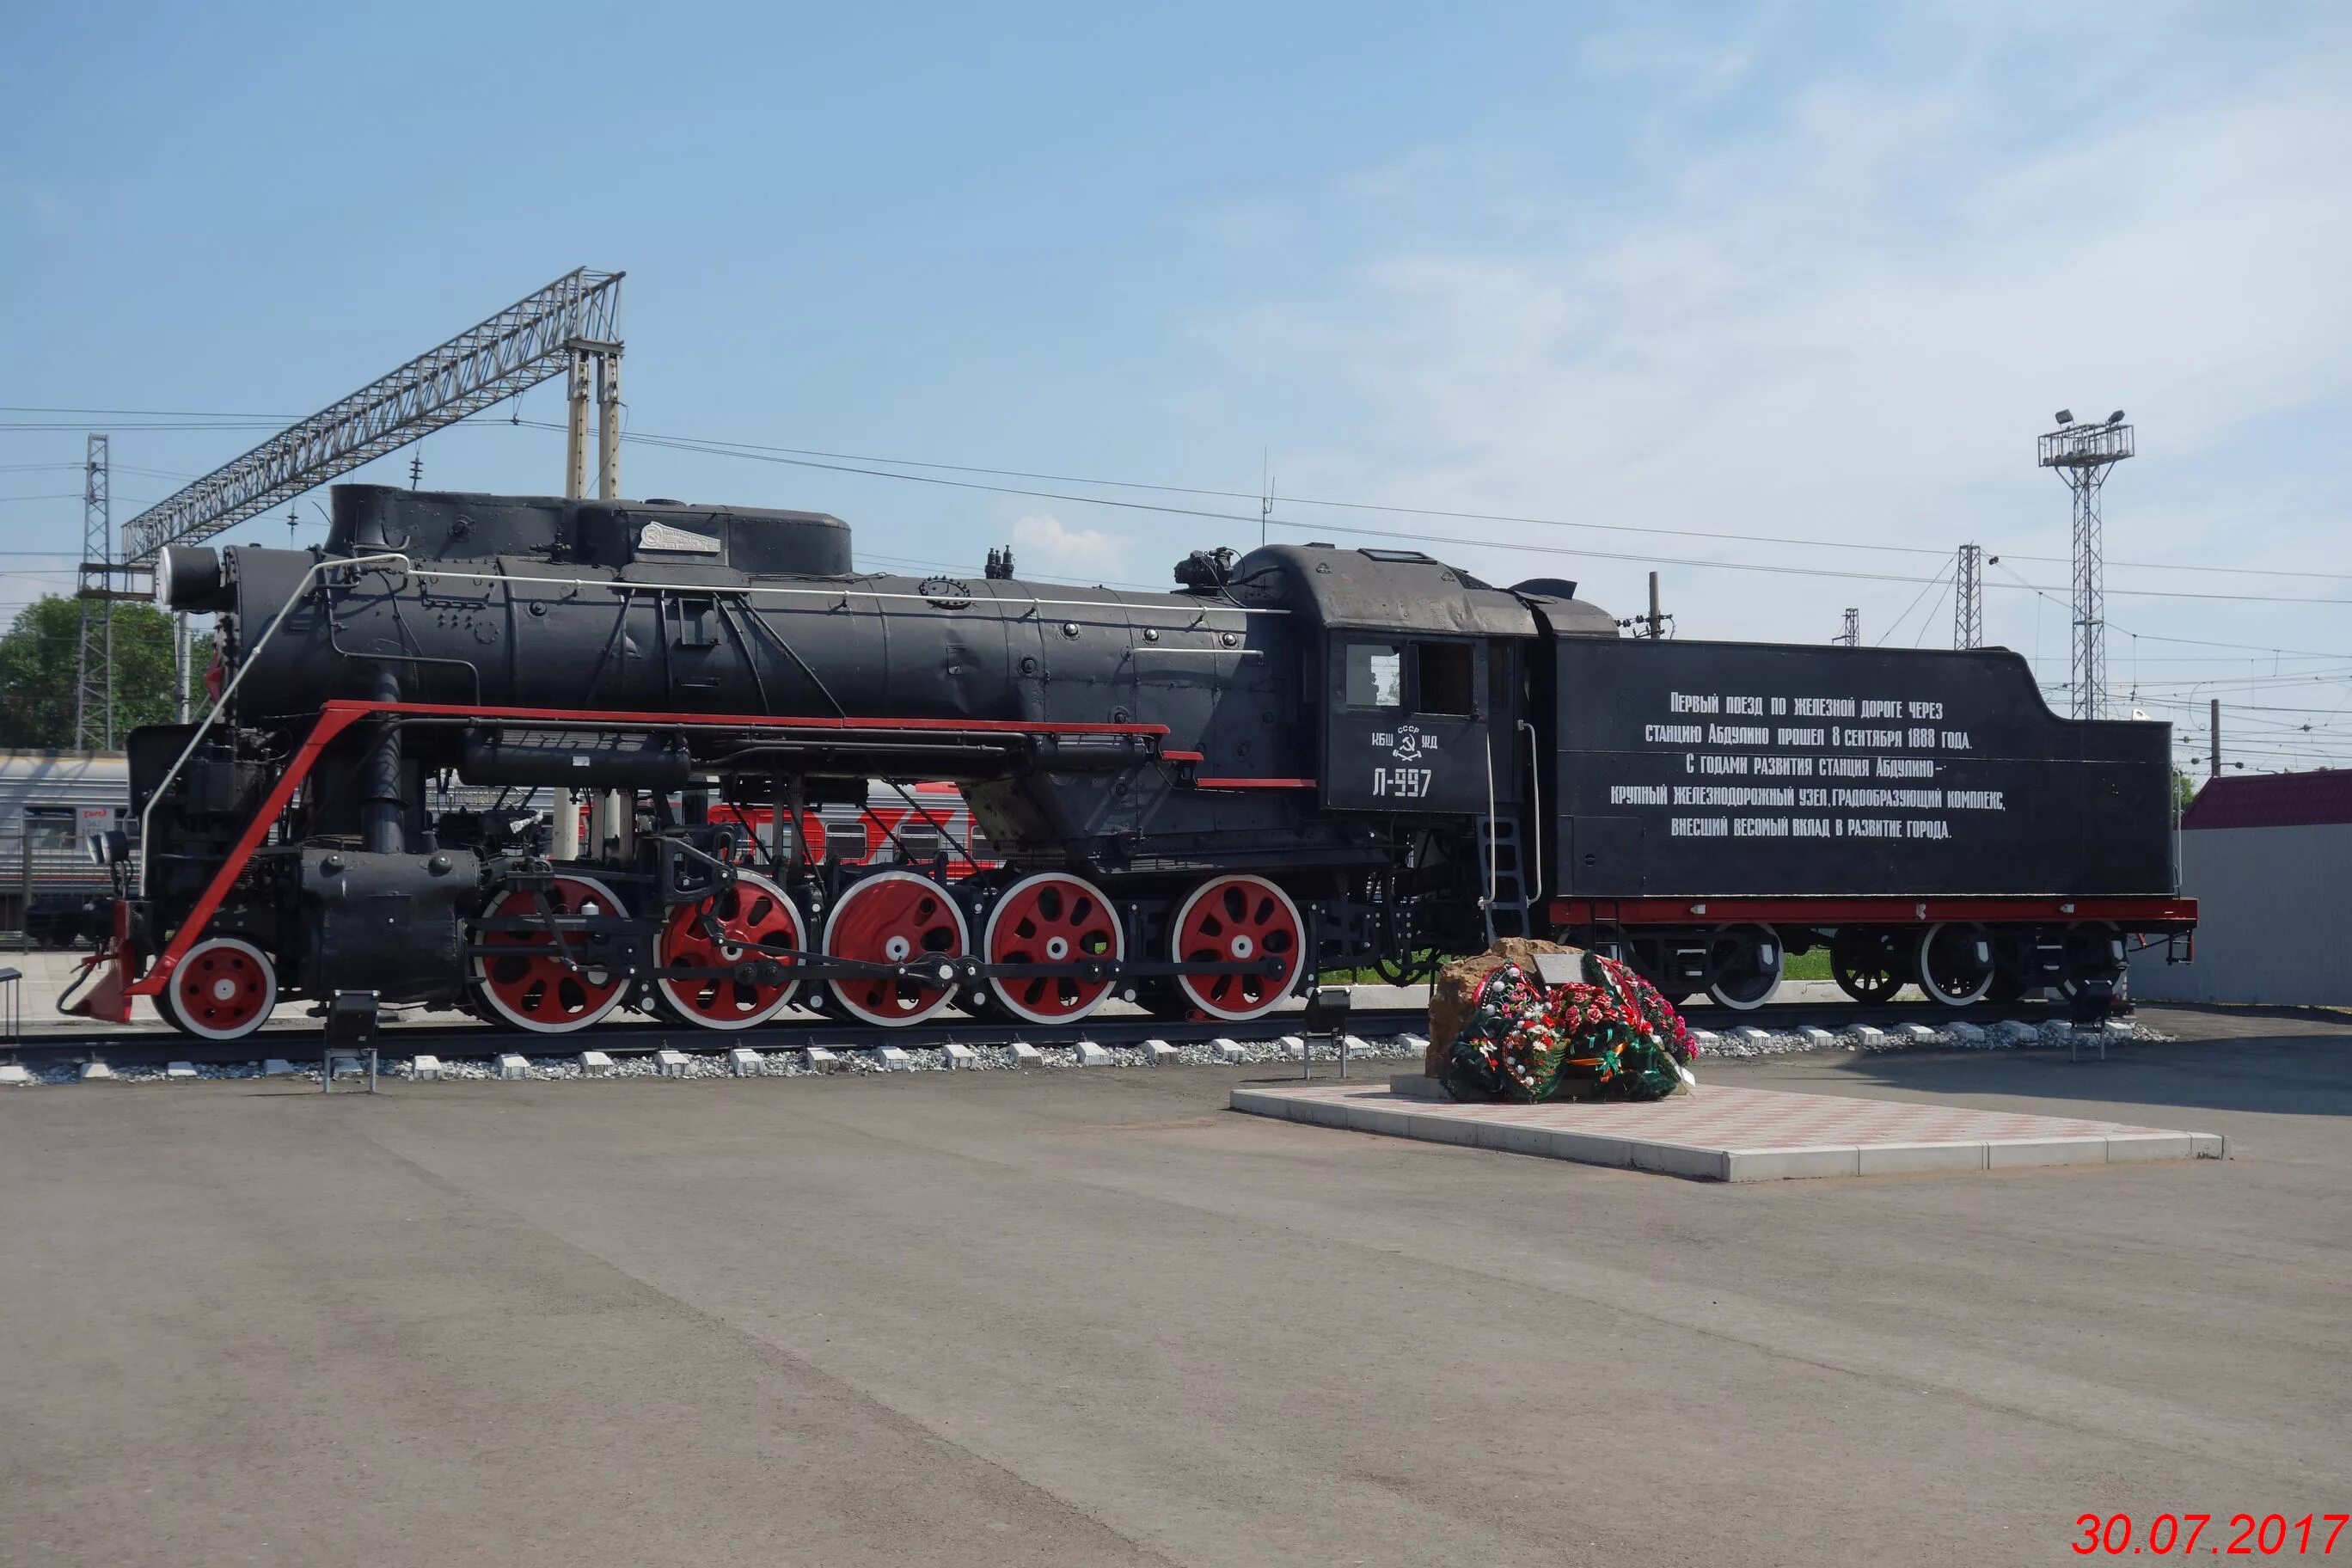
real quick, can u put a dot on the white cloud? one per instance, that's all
(1851, 324)
(1045, 546)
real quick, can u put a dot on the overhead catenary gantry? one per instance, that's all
(562, 327)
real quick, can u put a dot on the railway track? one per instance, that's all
(460, 1041)
(456, 1042)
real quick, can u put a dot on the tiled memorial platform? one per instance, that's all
(1723, 1134)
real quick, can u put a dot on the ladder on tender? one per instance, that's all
(1506, 901)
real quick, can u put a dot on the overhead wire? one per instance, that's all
(717, 445)
(751, 453)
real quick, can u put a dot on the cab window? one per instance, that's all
(1375, 675)
(1447, 680)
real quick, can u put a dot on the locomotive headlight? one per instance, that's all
(188, 577)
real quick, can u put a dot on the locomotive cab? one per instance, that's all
(1406, 725)
(1420, 675)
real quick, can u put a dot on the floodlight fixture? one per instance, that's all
(2098, 447)
(2116, 417)
(2065, 417)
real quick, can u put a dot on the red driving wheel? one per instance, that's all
(1052, 917)
(532, 987)
(895, 917)
(223, 990)
(720, 932)
(1232, 920)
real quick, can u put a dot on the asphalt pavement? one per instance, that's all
(1089, 1316)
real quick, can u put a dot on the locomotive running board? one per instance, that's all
(341, 714)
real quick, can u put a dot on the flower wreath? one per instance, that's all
(1607, 1035)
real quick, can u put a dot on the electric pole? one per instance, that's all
(94, 662)
(2214, 769)
(1968, 598)
(1851, 636)
(1653, 624)
(595, 371)
(1266, 495)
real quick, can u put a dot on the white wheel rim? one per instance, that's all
(199, 1028)
(1779, 963)
(1927, 977)
(963, 945)
(677, 990)
(599, 893)
(1176, 940)
(988, 945)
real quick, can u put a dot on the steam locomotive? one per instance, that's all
(541, 759)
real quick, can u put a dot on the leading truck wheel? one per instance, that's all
(1052, 917)
(1745, 961)
(1955, 963)
(1235, 919)
(530, 983)
(223, 990)
(896, 917)
(721, 932)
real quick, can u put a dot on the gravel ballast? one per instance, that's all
(1751, 1043)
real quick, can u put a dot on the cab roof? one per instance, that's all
(1377, 590)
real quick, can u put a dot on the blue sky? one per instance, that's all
(1812, 273)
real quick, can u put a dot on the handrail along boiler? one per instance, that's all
(1301, 758)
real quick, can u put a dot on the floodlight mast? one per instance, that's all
(522, 345)
(2082, 454)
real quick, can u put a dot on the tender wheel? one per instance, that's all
(753, 910)
(1745, 961)
(1052, 917)
(223, 990)
(1955, 965)
(1232, 919)
(895, 917)
(2093, 953)
(1867, 964)
(532, 987)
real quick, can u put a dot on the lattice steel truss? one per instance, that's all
(519, 347)
(1968, 598)
(2083, 455)
(1850, 635)
(94, 663)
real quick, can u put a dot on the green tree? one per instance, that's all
(38, 656)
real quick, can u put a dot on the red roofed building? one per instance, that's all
(2268, 858)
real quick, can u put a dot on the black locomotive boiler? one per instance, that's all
(514, 755)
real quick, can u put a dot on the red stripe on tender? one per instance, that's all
(1255, 784)
(2164, 912)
